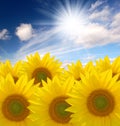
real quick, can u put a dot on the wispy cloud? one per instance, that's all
(102, 28)
(116, 20)
(89, 57)
(96, 34)
(24, 32)
(41, 43)
(4, 34)
(42, 37)
(96, 4)
(46, 41)
(101, 15)
(4, 55)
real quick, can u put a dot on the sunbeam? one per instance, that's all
(70, 20)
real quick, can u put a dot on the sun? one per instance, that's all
(70, 20)
(69, 24)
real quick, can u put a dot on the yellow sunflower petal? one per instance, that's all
(14, 102)
(41, 68)
(95, 103)
(50, 106)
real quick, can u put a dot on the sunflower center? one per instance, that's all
(78, 79)
(100, 103)
(113, 74)
(41, 74)
(14, 108)
(15, 79)
(57, 110)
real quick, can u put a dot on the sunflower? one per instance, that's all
(15, 70)
(75, 70)
(14, 101)
(116, 67)
(96, 101)
(105, 64)
(41, 68)
(50, 107)
(88, 68)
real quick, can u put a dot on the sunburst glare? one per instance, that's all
(70, 20)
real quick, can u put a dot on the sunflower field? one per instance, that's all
(40, 92)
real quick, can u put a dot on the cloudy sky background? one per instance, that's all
(84, 30)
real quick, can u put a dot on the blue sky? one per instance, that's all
(70, 30)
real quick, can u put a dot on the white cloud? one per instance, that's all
(66, 63)
(96, 4)
(43, 36)
(4, 34)
(116, 20)
(97, 35)
(36, 44)
(102, 15)
(115, 27)
(89, 57)
(93, 33)
(24, 32)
